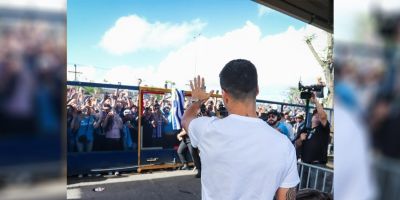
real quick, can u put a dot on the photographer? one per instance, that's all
(314, 145)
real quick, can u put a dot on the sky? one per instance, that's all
(176, 40)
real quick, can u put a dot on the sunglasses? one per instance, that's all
(271, 116)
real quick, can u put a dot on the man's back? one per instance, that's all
(242, 158)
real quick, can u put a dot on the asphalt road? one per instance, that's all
(177, 185)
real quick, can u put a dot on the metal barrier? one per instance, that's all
(315, 177)
(387, 171)
(81, 162)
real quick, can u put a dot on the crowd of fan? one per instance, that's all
(109, 122)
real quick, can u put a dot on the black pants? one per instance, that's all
(194, 153)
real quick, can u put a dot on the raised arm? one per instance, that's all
(199, 96)
(323, 117)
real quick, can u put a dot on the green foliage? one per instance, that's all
(293, 95)
(92, 90)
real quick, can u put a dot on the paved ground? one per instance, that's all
(163, 185)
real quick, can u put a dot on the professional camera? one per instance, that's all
(306, 91)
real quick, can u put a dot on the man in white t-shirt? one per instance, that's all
(242, 156)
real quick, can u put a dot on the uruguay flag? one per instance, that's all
(178, 99)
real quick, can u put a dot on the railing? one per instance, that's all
(79, 156)
(315, 177)
(387, 173)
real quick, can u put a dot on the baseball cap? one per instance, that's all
(127, 112)
(300, 116)
(272, 111)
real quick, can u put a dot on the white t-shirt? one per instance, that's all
(353, 164)
(242, 158)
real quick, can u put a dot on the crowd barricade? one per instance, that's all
(141, 157)
(387, 173)
(315, 177)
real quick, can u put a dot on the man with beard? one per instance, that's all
(274, 120)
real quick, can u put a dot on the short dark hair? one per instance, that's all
(311, 194)
(264, 116)
(239, 79)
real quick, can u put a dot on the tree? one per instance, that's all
(325, 61)
(293, 95)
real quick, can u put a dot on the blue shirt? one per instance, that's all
(283, 129)
(86, 127)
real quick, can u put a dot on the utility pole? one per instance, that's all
(195, 54)
(75, 72)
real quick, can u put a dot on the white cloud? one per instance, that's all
(132, 33)
(262, 10)
(280, 59)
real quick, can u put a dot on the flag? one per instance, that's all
(178, 99)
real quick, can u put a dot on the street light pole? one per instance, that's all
(195, 54)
